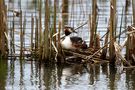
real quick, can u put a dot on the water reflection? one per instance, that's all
(31, 75)
(3, 74)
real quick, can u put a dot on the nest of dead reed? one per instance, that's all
(82, 56)
(95, 55)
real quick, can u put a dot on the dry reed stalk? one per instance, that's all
(40, 29)
(97, 42)
(59, 30)
(133, 11)
(36, 36)
(127, 4)
(93, 23)
(55, 1)
(121, 23)
(128, 46)
(64, 13)
(91, 56)
(21, 35)
(3, 27)
(32, 29)
(13, 38)
(6, 29)
(104, 51)
(112, 29)
(60, 52)
(130, 49)
(119, 58)
(46, 32)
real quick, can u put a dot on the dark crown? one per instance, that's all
(68, 30)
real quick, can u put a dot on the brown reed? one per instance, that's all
(13, 38)
(46, 32)
(36, 36)
(104, 51)
(133, 11)
(21, 35)
(32, 30)
(112, 29)
(40, 29)
(127, 4)
(130, 47)
(54, 24)
(64, 13)
(93, 23)
(3, 32)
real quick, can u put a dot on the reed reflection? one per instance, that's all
(3, 74)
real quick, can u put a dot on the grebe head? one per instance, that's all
(68, 30)
(72, 42)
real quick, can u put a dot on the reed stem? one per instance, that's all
(112, 29)
(32, 29)
(54, 21)
(36, 36)
(133, 11)
(64, 13)
(3, 28)
(40, 29)
(46, 32)
(93, 23)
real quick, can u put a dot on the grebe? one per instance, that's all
(72, 42)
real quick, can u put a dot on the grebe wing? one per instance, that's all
(78, 42)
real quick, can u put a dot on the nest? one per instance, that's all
(83, 56)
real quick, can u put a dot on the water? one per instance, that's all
(31, 75)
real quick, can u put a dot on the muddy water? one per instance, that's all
(30, 75)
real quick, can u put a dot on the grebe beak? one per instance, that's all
(73, 30)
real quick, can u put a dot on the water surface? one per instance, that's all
(31, 75)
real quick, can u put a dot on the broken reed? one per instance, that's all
(46, 43)
(64, 12)
(12, 41)
(36, 36)
(54, 21)
(133, 11)
(21, 35)
(127, 4)
(130, 48)
(3, 32)
(32, 31)
(93, 24)
(40, 29)
(112, 29)
(13, 38)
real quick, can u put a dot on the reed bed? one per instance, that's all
(45, 37)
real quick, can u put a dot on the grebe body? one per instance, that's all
(72, 42)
